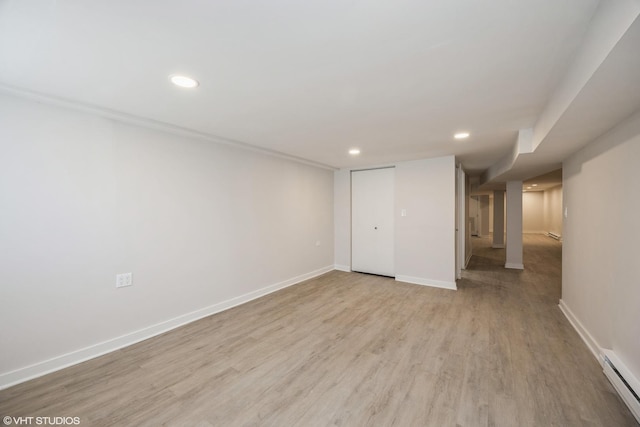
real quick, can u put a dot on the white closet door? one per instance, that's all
(372, 221)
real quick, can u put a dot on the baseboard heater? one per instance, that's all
(554, 235)
(622, 381)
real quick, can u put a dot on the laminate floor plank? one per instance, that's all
(350, 349)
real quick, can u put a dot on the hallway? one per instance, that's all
(549, 372)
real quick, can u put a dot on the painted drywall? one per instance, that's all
(491, 213)
(342, 218)
(499, 214)
(553, 210)
(461, 220)
(479, 215)
(197, 223)
(468, 248)
(425, 237)
(491, 208)
(485, 217)
(513, 242)
(601, 241)
(533, 212)
(474, 216)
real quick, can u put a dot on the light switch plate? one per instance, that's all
(124, 279)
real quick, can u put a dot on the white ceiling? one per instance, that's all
(309, 79)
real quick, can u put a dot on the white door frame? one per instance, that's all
(460, 220)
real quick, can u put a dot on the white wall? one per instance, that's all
(542, 211)
(491, 213)
(504, 214)
(342, 218)
(199, 224)
(533, 212)
(600, 286)
(553, 210)
(474, 216)
(425, 238)
(468, 248)
(485, 217)
(514, 220)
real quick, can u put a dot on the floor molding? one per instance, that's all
(467, 259)
(593, 345)
(514, 266)
(427, 282)
(57, 363)
(341, 267)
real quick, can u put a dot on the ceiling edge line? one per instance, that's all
(147, 123)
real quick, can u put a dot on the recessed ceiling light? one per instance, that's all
(183, 81)
(461, 135)
(528, 188)
(354, 151)
(534, 185)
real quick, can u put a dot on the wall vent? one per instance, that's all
(623, 381)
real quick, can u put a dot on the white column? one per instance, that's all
(498, 219)
(484, 215)
(514, 225)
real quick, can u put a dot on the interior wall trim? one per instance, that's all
(593, 345)
(514, 265)
(467, 260)
(39, 369)
(427, 282)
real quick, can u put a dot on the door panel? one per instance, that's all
(372, 221)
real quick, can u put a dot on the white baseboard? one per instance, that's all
(584, 334)
(514, 265)
(466, 261)
(599, 353)
(427, 282)
(39, 369)
(341, 267)
(554, 235)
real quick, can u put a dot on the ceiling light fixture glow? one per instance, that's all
(534, 185)
(183, 81)
(461, 135)
(354, 151)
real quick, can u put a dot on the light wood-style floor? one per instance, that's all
(349, 349)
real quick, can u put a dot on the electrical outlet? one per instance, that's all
(124, 279)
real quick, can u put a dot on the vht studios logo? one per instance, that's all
(40, 421)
